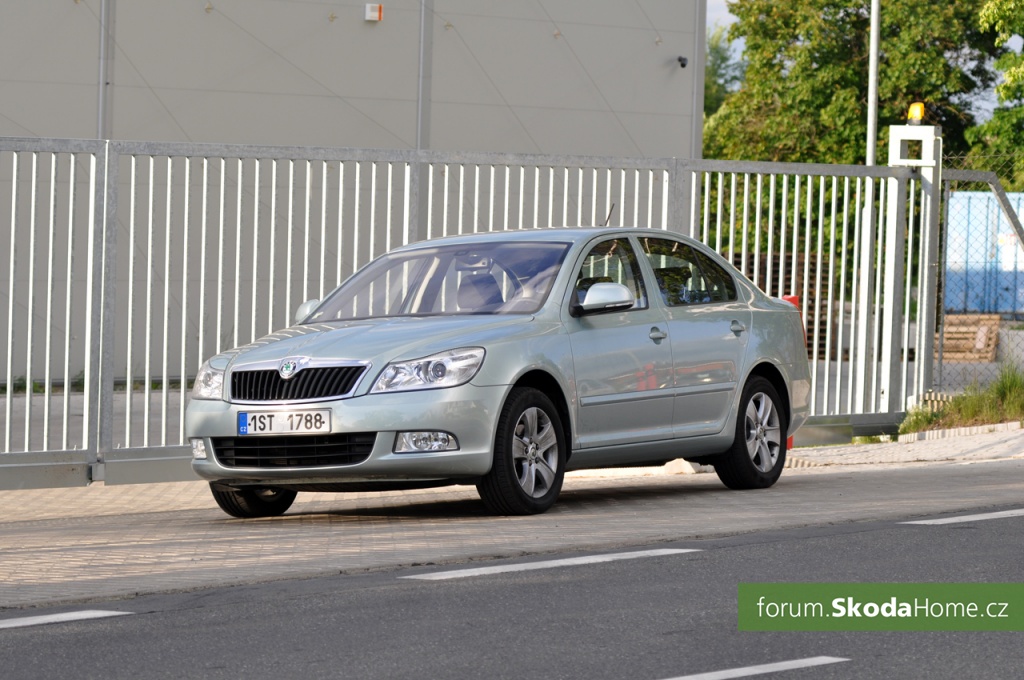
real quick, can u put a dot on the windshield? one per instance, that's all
(485, 278)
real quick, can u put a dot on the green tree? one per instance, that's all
(997, 144)
(722, 72)
(1006, 17)
(804, 97)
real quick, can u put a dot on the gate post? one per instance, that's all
(108, 299)
(893, 282)
(929, 165)
(95, 365)
(681, 216)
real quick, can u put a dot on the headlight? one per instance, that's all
(209, 383)
(446, 369)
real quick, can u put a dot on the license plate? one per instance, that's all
(284, 422)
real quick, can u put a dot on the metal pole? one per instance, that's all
(423, 90)
(931, 187)
(419, 195)
(872, 132)
(697, 115)
(867, 255)
(104, 100)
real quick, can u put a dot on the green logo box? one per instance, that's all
(881, 606)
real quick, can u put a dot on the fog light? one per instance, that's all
(415, 442)
(198, 449)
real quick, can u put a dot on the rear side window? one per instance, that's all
(681, 280)
(720, 283)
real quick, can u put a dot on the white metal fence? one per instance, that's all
(130, 263)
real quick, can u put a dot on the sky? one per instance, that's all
(718, 14)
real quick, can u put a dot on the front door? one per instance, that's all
(623, 360)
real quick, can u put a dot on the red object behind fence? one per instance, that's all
(795, 301)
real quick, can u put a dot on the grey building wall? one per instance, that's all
(595, 77)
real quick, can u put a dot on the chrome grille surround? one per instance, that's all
(313, 383)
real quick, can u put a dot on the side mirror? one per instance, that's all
(602, 298)
(304, 310)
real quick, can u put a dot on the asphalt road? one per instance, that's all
(650, 617)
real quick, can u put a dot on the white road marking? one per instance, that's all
(59, 618)
(970, 518)
(749, 671)
(548, 564)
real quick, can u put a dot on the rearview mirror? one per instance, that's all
(469, 262)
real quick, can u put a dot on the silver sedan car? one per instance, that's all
(504, 360)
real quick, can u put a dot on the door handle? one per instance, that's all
(737, 327)
(657, 334)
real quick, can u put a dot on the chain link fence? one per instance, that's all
(980, 306)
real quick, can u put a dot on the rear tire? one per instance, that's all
(758, 452)
(249, 502)
(529, 456)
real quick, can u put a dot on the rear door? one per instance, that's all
(709, 328)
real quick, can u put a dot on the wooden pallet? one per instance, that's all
(969, 337)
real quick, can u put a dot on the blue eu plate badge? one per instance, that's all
(243, 423)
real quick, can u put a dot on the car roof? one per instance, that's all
(552, 234)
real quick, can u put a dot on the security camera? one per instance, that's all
(682, 62)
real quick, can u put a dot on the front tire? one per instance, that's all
(758, 453)
(249, 502)
(529, 456)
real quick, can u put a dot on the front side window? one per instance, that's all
(485, 278)
(611, 261)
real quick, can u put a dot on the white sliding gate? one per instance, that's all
(130, 263)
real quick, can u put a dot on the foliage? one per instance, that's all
(804, 97)
(1006, 17)
(1002, 401)
(996, 145)
(918, 420)
(722, 72)
(20, 385)
(873, 439)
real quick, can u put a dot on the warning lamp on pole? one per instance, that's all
(916, 114)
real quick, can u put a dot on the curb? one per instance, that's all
(682, 467)
(928, 435)
(797, 462)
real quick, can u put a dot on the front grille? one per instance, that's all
(309, 383)
(286, 451)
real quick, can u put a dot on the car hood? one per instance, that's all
(375, 341)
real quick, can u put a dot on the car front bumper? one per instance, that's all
(469, 412)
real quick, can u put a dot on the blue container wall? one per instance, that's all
(984, 259)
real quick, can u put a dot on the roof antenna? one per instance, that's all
(609, 218)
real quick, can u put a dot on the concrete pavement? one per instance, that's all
(81, 544)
